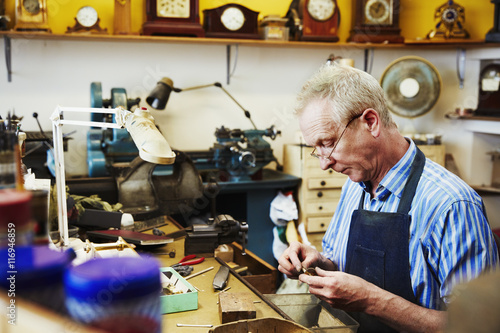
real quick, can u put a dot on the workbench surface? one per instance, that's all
(208, 309)
(34, 318)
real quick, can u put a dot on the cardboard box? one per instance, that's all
(185, 301)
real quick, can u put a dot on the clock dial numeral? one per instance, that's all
(232, 18)
(173, 8)
(321, 10)
(32, 6)
(378, 12)
(87, 16)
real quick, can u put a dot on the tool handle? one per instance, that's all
(220, 278)
(193, 262)
(186, 258)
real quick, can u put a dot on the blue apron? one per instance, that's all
(377, 249)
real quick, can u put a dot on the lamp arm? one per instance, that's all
(219, 85)
(153, 147)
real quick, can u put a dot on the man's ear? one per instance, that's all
(371, 119)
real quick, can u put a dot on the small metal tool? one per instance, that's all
(221, 277)
(309, 271)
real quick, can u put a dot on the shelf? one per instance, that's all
(486, 189)
(462, 43)
(482, 118)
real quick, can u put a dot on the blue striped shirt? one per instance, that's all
(450, 238)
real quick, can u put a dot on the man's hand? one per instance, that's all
(340, 290)
(299, 255)
(352, 293)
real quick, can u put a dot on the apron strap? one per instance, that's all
(412, 182)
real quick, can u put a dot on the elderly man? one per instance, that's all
(406, 230)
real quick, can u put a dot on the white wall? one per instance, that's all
(51, 72)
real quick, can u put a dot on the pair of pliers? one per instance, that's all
(189, 260)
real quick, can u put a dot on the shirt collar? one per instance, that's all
(394, 181)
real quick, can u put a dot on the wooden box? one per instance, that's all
(263, 276)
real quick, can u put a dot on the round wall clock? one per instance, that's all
(231, 21)
(412, 86)
(376, 21)
(173, 18)
(31, 15)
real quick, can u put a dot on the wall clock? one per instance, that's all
(376, 21)
(320, 20)
(87, 21)
(173, 18)
(231, 21)
(31, 15)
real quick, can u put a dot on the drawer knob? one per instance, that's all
(320, 194)
(322, 225)
(320, 207)
(323, 183)
(330, 171)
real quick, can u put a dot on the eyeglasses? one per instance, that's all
(327, 158)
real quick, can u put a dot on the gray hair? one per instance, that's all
(349, 91)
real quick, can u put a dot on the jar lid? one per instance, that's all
(33, 266)
(110, 279)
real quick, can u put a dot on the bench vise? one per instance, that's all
(205, 238)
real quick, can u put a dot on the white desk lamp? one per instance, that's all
(153, 147)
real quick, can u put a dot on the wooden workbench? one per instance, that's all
(31, 317)
(208, 312)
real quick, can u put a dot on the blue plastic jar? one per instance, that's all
(35, 273)
(119, 295)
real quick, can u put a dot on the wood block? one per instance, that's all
(236, 306)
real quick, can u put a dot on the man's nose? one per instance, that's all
(326, 163)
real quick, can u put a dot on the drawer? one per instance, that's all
(318, 224)
(320, 208)
(326, 194)
(325, 182)
(317, 172)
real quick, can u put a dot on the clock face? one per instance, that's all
(232, 18)
(450, 15)
(378, 12)
(87, 16)
(173, 8)
(32, 6)
(321, 10)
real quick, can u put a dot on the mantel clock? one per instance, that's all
(173, 18)
(376, 21)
